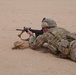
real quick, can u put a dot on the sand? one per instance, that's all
(29, 13)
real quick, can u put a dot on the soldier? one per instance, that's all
(58, 40)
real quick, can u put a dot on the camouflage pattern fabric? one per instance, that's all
(73, 50)
(36, 42)
(56, 39)
(64, 48)
(48, 23)
(71, 36)
(52, 37)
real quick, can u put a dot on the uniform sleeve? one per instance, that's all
(36, 42)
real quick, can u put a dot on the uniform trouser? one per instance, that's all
(73, 50)
(68, 49)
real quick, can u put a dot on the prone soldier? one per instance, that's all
(59, 41)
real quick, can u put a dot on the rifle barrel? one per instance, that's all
(19, 29)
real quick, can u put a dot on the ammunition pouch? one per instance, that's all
(53, 45)
(64, 48)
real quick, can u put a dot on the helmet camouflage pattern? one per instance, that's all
(48, 23)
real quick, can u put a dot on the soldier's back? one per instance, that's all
(59, 32)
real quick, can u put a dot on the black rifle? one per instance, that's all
(25, 29)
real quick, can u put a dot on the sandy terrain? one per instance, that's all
(18, 13)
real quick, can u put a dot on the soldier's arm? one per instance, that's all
(36, 42)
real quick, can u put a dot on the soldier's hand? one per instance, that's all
(30, 33)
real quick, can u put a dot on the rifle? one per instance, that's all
(25, 29)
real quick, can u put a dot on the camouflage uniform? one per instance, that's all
(56, 39)
(73, 51)
(72, 46)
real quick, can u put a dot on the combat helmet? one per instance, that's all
(46, 22)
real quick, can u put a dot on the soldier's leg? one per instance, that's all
(73, 50)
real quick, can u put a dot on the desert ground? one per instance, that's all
(29, 13)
